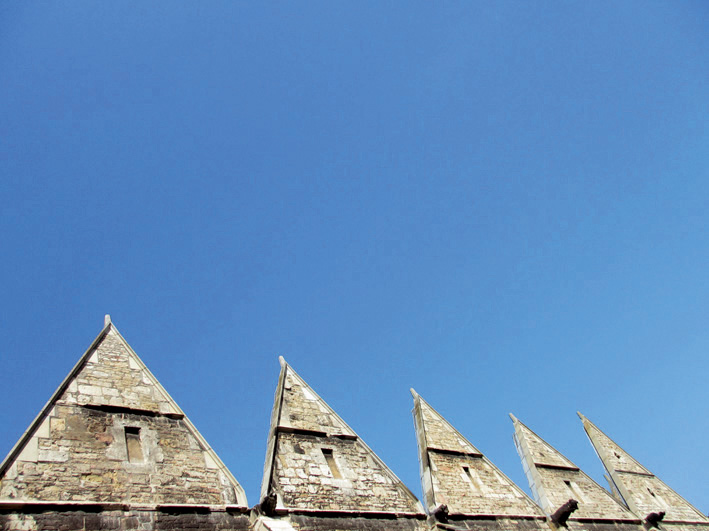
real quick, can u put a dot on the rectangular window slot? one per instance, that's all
(658, 498)
(575, 490)
(473, 481)
(327, 452)
(133, 446)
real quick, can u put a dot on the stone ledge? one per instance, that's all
(467, 516)
(606, 520)
(353, 514)
(14, 505)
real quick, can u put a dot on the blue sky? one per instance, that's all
(500, 204)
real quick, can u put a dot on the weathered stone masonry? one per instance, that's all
(112, 450)
(74, 467)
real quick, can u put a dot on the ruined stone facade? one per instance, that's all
(112, 450)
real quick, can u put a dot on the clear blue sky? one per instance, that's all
(502, 205)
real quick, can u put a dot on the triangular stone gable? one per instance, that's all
(543, 453)
(111, 433)
(302, 409)
(316, 463)
(554, 480)
(456, 474)
(438, 433)
(641, 489)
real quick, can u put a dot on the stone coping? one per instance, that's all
(118, 506)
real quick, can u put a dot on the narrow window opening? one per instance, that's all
(327, 452)
(575, 491)
(133, 446)
(658, 498)
(473, 484)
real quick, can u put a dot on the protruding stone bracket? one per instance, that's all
(653, 519)
(557, 467)
(441, 513)
(561, 515)
(268, 505)
(132, 411)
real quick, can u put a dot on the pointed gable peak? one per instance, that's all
(110, 382)
(315, 461)
(455, 473)
(439, 434)
(537, 449)
(302, 409)
(614, 458)
(554, 479)
(641, 489)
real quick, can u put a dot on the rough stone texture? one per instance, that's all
(496, 524)
(600, 525)
(541, 452)
(112, 376)
(302, 409)
(487, 493)
(138, 520)
(643, 492)
(342, 523)
(305, 481)
(84, 459)
(684, 527)
(594, 500)
(615, 458)
(439, 434)
(460, 476)
(649, 495)
(76, 457)
(554, 485)
(303, 425)
(79, 453)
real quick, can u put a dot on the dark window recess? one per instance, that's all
(473, 483)
(575, 490)
(327, 452)
(133, 446)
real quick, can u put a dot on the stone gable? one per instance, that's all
(317, 462)
(643, 491)
(555, 480)
(112, 450)
(112, 434)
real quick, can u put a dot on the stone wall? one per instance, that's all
(497, 524)
(356, 523)
(594, 501)
(85, 459)
(112, 451)
(599, 525)
(305, 480)
(121, 520)
(78, 451)
(482, 490)
(113, 376)
(652, 495)
(439, 434)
